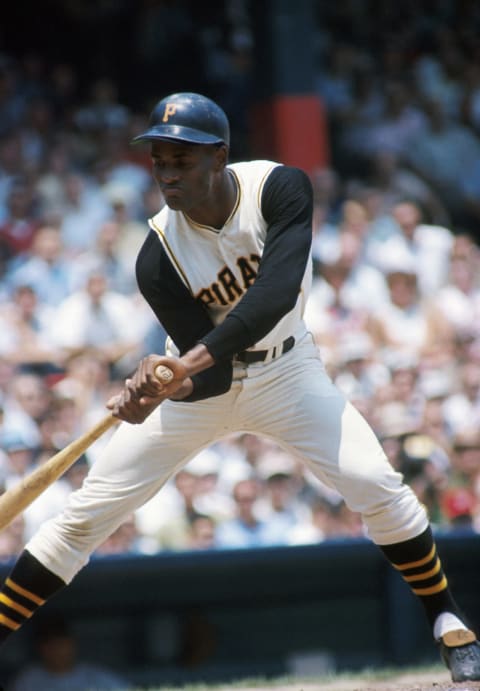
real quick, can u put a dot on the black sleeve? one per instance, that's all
(184, 319)
(286, 204)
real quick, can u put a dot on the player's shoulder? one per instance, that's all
(264, 172)
(254, 168)
(262, 165)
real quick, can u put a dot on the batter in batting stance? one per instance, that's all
(226, 269)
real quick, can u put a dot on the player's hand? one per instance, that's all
(144, 391)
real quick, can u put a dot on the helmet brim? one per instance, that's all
(177, 133)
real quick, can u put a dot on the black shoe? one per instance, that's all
(461, 653)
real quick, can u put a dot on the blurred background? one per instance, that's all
(379, 102)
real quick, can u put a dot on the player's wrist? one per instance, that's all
(184, 391)
(197, 359)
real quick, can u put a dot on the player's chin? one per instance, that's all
(174, 199)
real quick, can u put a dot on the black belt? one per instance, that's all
(250, 356)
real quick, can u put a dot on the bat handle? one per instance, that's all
(163, 374)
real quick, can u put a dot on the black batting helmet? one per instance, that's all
(187, 117)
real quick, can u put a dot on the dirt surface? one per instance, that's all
(431, 681)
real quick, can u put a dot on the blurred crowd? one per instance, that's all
(394, 307)
(401, 86)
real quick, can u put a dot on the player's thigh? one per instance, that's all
(305, 412)
(133, 467)
(295, 401)
(139, 459)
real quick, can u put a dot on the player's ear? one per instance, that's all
(220, 156)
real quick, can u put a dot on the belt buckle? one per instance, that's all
(249, 357)
(271, 354)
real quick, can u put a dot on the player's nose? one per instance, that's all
(168, 175)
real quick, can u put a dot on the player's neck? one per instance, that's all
(220, 205)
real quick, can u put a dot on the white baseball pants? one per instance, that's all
(292, 401)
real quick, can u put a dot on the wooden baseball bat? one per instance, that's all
(24, 493)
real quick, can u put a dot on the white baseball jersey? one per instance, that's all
(251, 277)
(218, 266)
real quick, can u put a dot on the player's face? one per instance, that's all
(186, 173)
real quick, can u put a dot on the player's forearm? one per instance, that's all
(195, 360)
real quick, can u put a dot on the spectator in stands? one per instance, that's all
(399, 124)
(21, 462)
(19, 457)
(433, 421)
(403, 388)
(124, 214)
(102, 111)
(86, 381)
(46, 268)
(166, 519)
(445, 154)
(38, 129)
(470, 102)
(21, 220)
(428, 246)
(104, 255)
(462, 408)
(334, 84)
(395, 181)
(344, 290)
(97, 319)
(11, 166)
(27, 398)
(202, 533)
(462, 496)
(360, 375)
(212, 498)
(83, 210)
(49, 185)
(25, 325)
(12, 540)
(459, 298)
(58, 667)
(245, 529)
(407, 322)
(280, 502)
(425, 474)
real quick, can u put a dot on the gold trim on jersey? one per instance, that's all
(194, 224)
(239, 195)
(261, 185)
(170, 253)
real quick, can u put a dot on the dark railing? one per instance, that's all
(222, 615)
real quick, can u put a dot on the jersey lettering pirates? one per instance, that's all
(219, 266)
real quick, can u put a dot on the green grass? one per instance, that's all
(383, 674)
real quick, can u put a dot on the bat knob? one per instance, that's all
(163, 374)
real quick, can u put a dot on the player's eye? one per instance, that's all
(178, 163)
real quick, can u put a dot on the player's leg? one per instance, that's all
(135, 464)
(302, 409)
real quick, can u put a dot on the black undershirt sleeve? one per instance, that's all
(286, 204)
(183, 318)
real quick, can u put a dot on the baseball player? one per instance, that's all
(226, 269)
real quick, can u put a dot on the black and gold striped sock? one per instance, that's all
(418, 562)
(27, 587)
